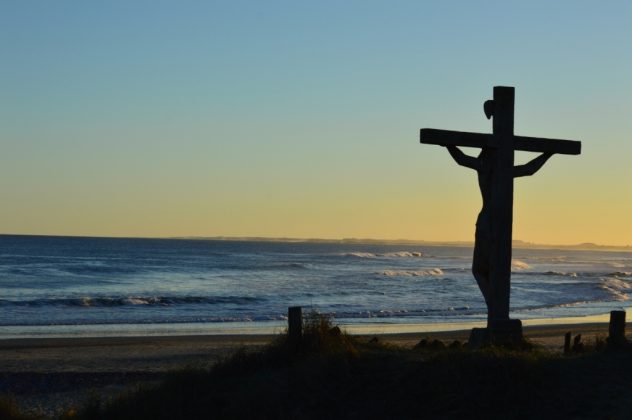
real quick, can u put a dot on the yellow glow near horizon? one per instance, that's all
(448, 215)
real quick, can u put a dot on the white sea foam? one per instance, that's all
(137, 301)
(621, 274)
(397, 254)
(560, 273)
(572, 304)
(519, 265)
(361, 254)
(615, 282)
(412, 273)
(616, 288)
(405, 254)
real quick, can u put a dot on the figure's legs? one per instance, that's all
(480, 265)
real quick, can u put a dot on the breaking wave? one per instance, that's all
(412, 273)
(404, 254)
(397, 254)
(621, 274)
(361, 254)
(406, 313)
(615, 288)
(616, 274)
(559, 273)
(102, 301)
(519, 265)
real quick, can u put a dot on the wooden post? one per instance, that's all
(295, 323)
(502, 206)
(578, 346)
(567, 343)
(616, 329)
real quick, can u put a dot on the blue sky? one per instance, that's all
(161, 118)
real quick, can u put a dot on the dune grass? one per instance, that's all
(329, 374)
(9, 409)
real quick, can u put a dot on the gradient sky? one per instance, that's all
(301, 119)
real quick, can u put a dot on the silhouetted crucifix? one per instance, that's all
(495, 167)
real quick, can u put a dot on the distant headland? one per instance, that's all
(516, 243)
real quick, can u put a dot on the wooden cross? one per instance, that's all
(501, 144)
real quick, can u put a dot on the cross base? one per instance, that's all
(506, 333)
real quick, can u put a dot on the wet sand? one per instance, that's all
(48, 374)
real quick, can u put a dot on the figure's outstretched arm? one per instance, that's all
(463, 159)
(532, 167)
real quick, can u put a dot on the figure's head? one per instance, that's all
(488, 107)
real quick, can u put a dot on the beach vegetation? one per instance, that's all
(9, 409)
(319, 337)
(330, 374)
(333, 375)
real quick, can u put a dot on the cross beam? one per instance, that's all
(496, 225)
(527, 144)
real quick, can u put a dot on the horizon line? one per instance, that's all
(517, 243)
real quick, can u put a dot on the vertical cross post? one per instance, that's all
(502, 204)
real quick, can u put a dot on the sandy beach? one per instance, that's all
(47, 375)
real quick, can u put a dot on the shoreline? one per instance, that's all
(259, 328)
(164, 353)
(168, 352)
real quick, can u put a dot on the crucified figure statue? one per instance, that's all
(496, 172)
(484, 165)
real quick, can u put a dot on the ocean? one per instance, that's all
(102, 286)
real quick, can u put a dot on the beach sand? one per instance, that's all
(51, 374)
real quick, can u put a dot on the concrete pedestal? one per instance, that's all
(506, 333)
